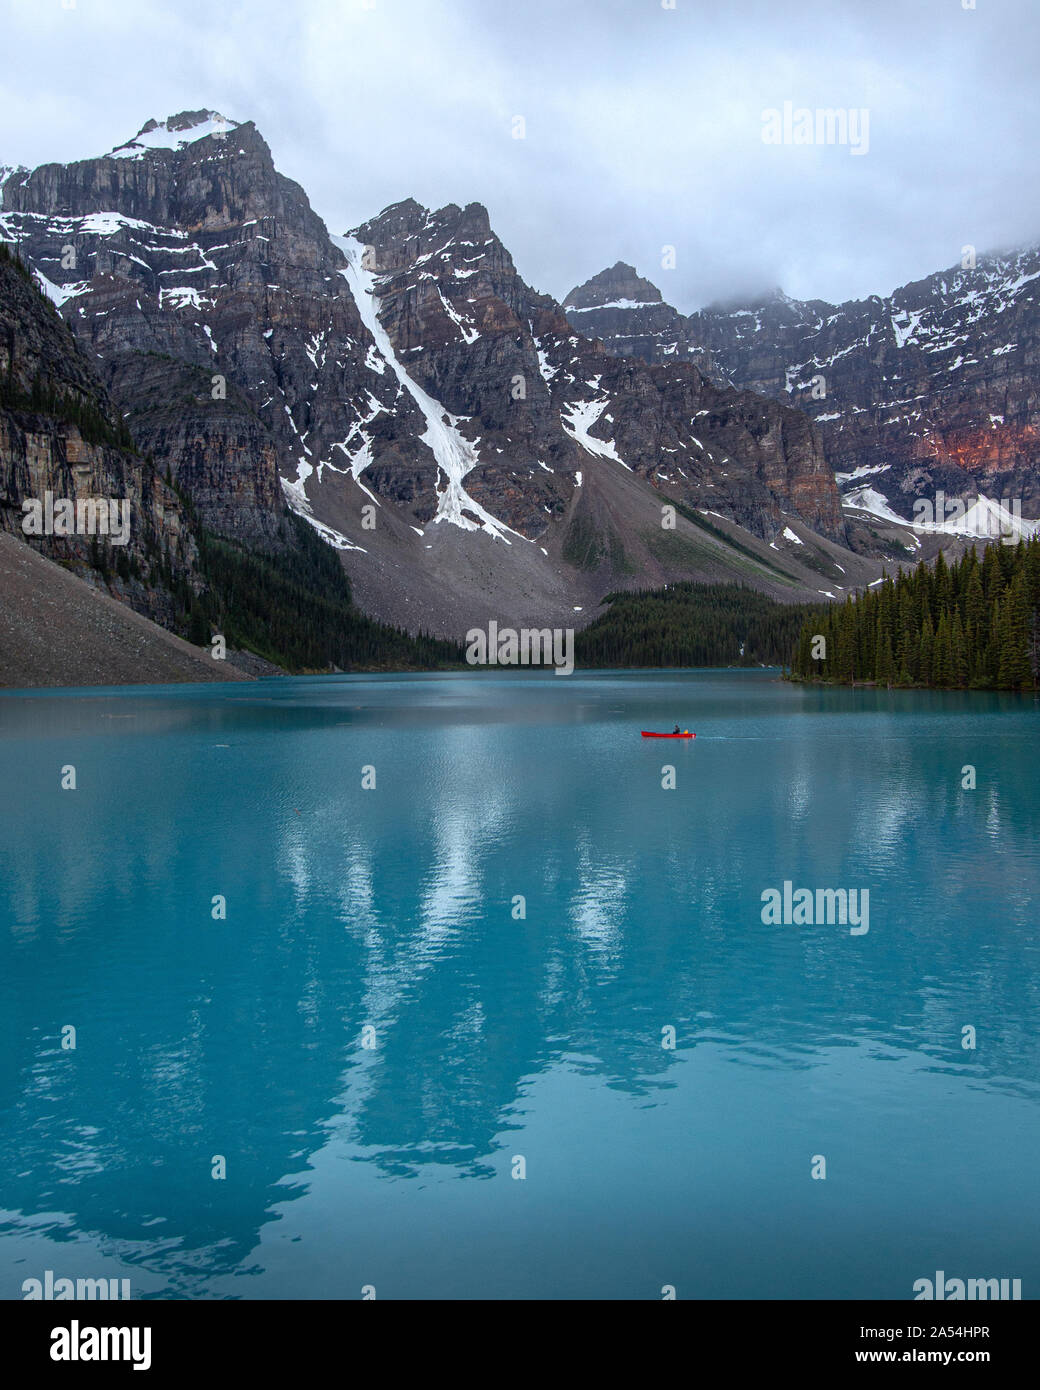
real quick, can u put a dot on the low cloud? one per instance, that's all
(643, 125)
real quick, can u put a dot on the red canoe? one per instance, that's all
(687, 734)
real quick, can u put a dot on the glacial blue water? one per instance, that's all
(505, 1043)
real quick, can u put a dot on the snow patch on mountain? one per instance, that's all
(180, 296)
(905, 325)
(469, 333)
(296, 499)
(984, 519)
(58, 294)
(868, 499)
(545, 367)
(455, 454)
(864, 471)
(160, 135)
(612, 304)
(357, 448)
(578, 417)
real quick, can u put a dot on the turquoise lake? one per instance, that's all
(507, 1043)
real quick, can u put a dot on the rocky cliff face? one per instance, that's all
(180, 260)
(931, 389)
(628, 315)
(60, 434)
(396, 387)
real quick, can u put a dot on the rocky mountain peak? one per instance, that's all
(628, 315)
(619, 287)
(406, 235)
(476, 218)
(8, 171)
(398, 229)
(175, 132)
(189, 120)
(410, 218)
(769, 300)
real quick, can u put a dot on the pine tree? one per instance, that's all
(960, 651)
(884, 661)
(942, 587)
(845, 645)
(1015, 671)
(942, 654)
(975, 611)
(927, 650)
(989, 665)
(992, 578)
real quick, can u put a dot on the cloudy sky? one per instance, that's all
(642, 125)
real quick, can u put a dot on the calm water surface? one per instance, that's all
(500, 1038)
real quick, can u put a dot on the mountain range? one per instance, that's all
(469, 447)
(931, 390)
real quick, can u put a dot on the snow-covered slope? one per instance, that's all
(175, 133)
(456, 455)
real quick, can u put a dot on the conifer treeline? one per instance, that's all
(692, 625)
(296, 609)
(974, 625)
(44, 399)
(9, 255)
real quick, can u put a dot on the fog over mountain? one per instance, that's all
(642, 126)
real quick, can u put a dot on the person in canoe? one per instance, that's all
(676, 730)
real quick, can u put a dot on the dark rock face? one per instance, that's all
(225, 457)
(934, 387)
(458, 317)
(627, 314)
(48, 382)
